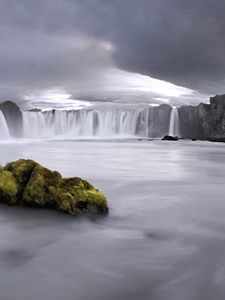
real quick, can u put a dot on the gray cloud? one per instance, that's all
(175, 40)
(41, 49)
(63, 43)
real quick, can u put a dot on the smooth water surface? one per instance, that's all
(164, 237)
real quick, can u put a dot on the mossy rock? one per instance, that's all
(8, 187)
(42, 187)
(21, 170)
(85, 196)
(27, 183)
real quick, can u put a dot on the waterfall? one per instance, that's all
(86, 123)
(105, 121)
(174, 128)
(4, 131)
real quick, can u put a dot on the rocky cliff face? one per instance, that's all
(159, 119)
(13, 116)
(205, 121)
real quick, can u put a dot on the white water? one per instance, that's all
(86, 123)
(4, 131)
(174, 129)
(104, 122)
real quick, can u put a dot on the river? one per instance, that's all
(163, 239)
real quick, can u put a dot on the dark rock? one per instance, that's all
(170, 138)
(13, 117)
(217, 140)
(159, 120)
(34, 110)
(26, 183)
(194, 121)
(205, 121)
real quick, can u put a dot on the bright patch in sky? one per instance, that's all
(56, 99)
(142, 83)
(114, 83)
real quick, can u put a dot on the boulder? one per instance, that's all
(170, 138)
(27, 183)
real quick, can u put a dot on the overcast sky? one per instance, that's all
(105, 48)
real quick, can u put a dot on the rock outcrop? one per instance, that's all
(27, 183)
(159, 119)
(13, 117)
(170, 138)
(205, 121)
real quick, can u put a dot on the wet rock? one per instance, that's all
(13, 117)
(159, 119)
(27, 183)
(217, 140)
(170, 138)
(34, 110)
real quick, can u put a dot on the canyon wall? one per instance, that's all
(205, 121)
(13, 117)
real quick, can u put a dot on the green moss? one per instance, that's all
(90, 199)
(66, 203)
(75, 182)
(34, 192)
(25, 182)
(97, 199)
(85, 196)
(22, 170)
(42, 187)
(8, 187)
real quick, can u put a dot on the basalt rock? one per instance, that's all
(159, 119)
(13, 117)
(205, 121)
(27, 183)
(170, 138)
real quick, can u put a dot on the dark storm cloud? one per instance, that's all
(175, 40)
(50, 43)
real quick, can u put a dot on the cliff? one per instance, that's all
(205, 121)
(158, 121)
(14, 118)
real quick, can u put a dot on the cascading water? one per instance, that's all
(174, 128)
(86, 123)
(103, 121)
(4, 131)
